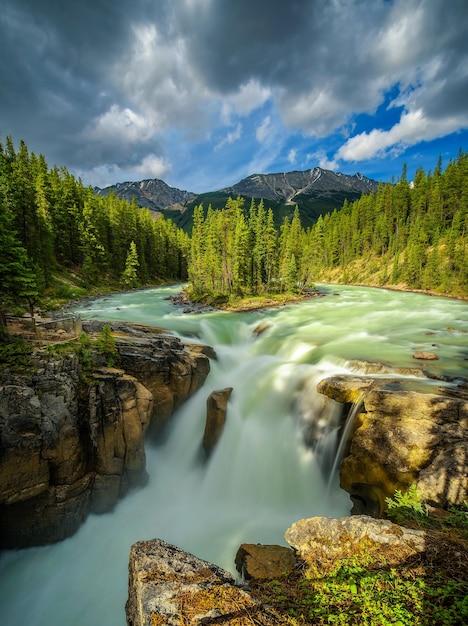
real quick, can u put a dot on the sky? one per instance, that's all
(203, 93)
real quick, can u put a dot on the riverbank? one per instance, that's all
(68, 292)
(369, 273)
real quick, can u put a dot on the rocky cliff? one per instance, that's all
(403, 435)
(72, 443)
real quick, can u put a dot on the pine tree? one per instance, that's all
(106, 344)
(17, 281)
(130, 273)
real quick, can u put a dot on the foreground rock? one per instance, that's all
(402, 437)
(261, 562)
(216, 410)
(172, 587)
(72, 443)
(322, 541)
(361, 570)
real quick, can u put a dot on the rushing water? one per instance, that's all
(261, 476)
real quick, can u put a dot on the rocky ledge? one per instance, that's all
(172, 587)
(402, 436)
(72, 443)
(334, 571)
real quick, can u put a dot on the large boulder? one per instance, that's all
(165, 366)
(71, 443)
(172, 587)
(323, 541)
(402, 437)
(216, 410)
(261, 562)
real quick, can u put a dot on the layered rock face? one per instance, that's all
(401, 436)
(70, 446)
(172, 587)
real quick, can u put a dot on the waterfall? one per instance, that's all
(344, 439)
(261, 476)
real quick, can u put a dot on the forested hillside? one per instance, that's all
(52, 226)
(56, 233)
(406, 235)
(410, 235)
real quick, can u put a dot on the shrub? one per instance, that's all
(407, 506)
(106, 344)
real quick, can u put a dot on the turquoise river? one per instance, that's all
(261, 476)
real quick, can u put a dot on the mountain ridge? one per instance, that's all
(315, 191)
(152, 193)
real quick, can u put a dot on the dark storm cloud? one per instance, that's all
(98, 83)
(54, 72)
(338, 56)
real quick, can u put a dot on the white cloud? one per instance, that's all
(156, 74)
(231, 137)
(124, 124)
(321, 157)
(292, 155)
(263, 129)
(412, 128)
(249, 97)
(151, 166)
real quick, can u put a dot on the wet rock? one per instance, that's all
(172, 587)
(322, 541)
(403, 437)
(70, 445)
(216, 410)
(261, 327)
(345, 389)
(202, 349)
(425, 356)
(188, 306)
(166, 366)
(257, 561)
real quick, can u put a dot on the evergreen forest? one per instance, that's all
(53, 228)
(409, 235)
(57, 234)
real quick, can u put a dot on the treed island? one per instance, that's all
(61, 241)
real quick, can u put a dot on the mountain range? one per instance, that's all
(315, 191)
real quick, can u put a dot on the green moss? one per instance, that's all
(15, 353)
